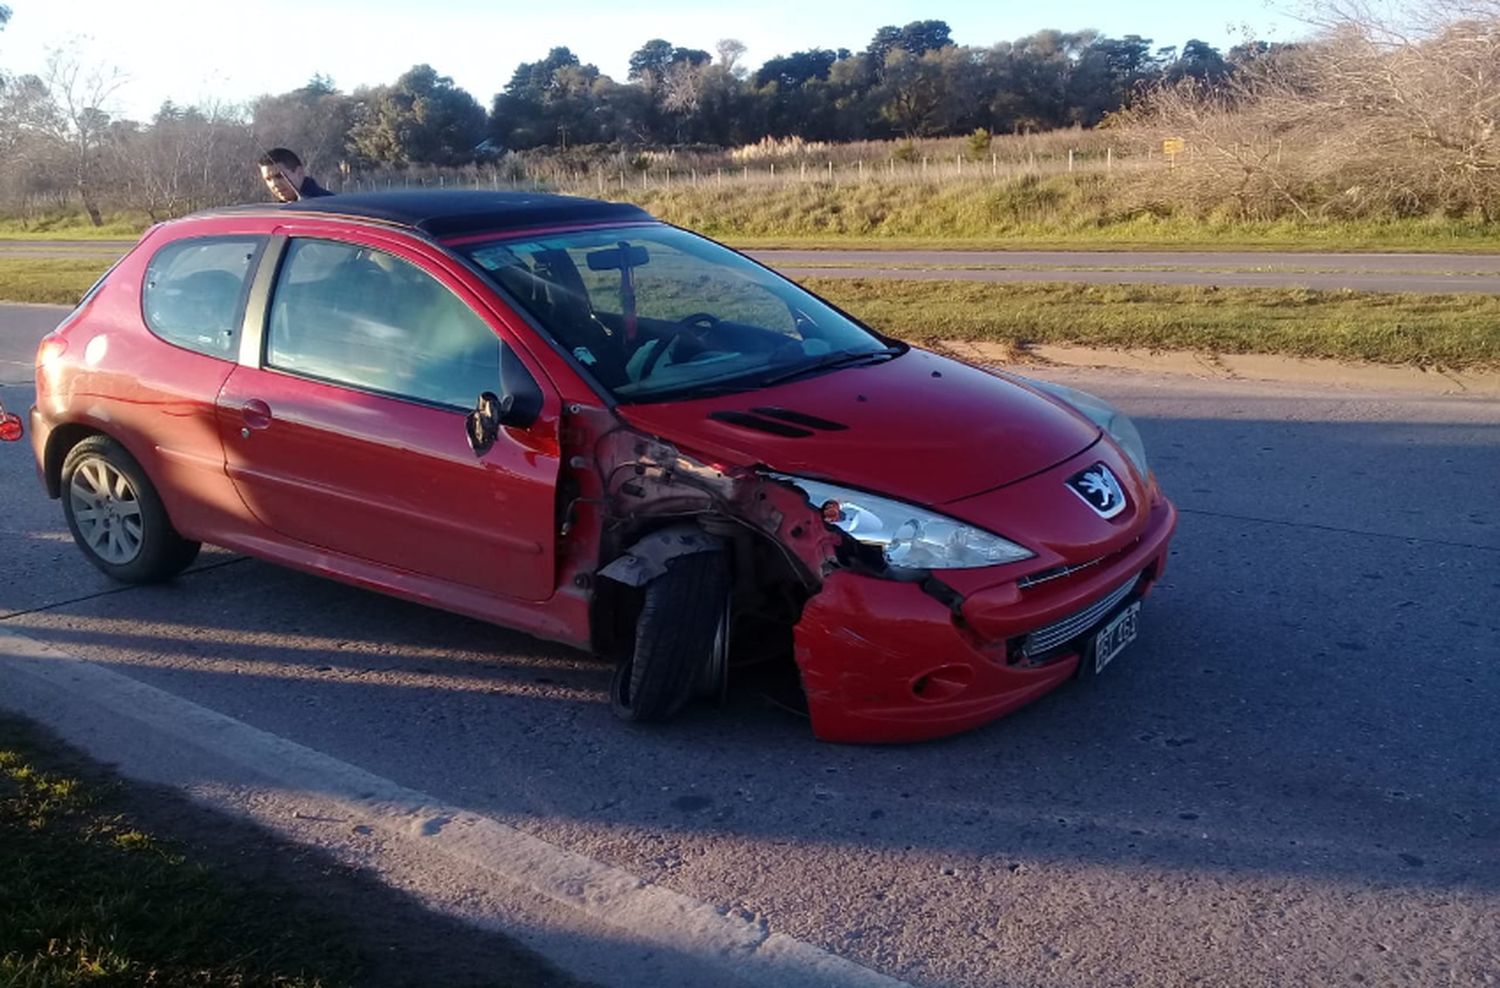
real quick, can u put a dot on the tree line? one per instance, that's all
(1369, 117)
(909, 81)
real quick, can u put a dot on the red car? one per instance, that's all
(566, 417)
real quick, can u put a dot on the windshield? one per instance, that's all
(655, 312)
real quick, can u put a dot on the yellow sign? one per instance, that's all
(1173, 146)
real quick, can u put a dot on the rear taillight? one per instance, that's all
(51, 347)
(10, 425)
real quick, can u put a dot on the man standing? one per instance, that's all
(286, 178)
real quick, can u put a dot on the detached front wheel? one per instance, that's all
(116, 516)
(683, 622)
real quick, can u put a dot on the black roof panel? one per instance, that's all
(448, 213)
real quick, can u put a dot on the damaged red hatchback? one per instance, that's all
(568, 418)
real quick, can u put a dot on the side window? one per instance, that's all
(368, 319)
(195, 290)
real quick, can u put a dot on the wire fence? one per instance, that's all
(648, 176)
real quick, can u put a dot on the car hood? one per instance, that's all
(920, 427)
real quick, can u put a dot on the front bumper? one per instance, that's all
(884, 661)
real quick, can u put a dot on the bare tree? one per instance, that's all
(681, 88)
(1393, 109)
(731, 50)
(77, 126)
(189, 158)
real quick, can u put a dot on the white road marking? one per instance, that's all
(157, 736)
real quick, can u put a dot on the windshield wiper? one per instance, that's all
(831, 361)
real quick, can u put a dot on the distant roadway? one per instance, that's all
(1242, 269)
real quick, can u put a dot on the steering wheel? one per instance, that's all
(702, 322)
(697, 323)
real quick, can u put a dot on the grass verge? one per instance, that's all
(66, 225)
(57, 280)
(86, 897)
(1459, 331)
(90, 894)
(1087, 211)
(1132, 209)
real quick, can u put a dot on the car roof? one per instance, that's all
(454, 212)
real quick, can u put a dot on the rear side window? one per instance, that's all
(194, 294)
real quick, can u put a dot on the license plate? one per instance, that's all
(1112, 639)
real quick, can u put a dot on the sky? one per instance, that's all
(205, 51)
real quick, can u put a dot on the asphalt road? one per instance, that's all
(1290, 778)
(1361, 272)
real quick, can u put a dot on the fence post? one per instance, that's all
(830, 170)
(773, 169)
(721, 176)
(1070, 159)
(960, 160)
(861, 169)
(924, 166)
(1109, 159)
(994, 165)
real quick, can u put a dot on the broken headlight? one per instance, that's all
(909, 537)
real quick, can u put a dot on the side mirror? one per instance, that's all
(484, 422)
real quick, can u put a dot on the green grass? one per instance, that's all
(1131, 209)
(1061, 211)
(70, 225)
(58, 280)
(88, 899)
(1459, 331)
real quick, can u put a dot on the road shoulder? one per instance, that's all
(1237, 367)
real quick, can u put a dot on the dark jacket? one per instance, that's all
(310, 189)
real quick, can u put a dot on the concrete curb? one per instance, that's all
(159, 737)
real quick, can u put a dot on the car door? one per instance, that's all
(345, 430)
(191, 300)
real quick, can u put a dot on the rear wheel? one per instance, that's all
(116, 517)
(681, 629)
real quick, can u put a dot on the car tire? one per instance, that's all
(674, 638)
(117, 518)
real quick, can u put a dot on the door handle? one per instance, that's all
(257, 416)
